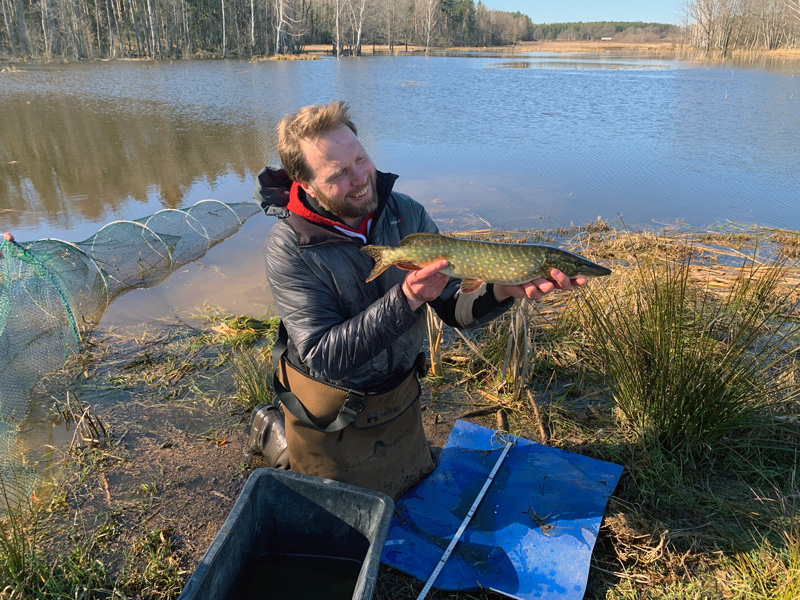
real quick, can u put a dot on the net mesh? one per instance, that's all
(52, 293)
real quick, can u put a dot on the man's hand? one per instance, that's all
(7, 237)
(425, 285)
(536, 289)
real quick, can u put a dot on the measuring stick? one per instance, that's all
(464, 523)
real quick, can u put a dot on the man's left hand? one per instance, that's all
(7, 237)
(536, 289)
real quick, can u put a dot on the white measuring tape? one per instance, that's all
(465, 522)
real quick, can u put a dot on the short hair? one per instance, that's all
(308, 123)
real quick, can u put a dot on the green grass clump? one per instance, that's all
(252, 371)
(689, 368)
(26, 571)
(153, 568)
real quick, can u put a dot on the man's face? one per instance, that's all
(343, 179)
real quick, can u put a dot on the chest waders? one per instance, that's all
(373, 440)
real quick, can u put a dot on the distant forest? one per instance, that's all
(163, 29)
(618, 31)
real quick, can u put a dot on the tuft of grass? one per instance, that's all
(241, 330)
(153, 568)
(252, 371)
(27, 572)
(435, 333)
(771, 570)
(689, 368)
(18, 558)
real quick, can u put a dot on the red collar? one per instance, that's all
(297, 206)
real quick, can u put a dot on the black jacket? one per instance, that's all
(354, 334)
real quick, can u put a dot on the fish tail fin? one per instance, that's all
(381, 264)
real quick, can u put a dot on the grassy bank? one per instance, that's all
(681, 367)
(665, 49)
(655, 48)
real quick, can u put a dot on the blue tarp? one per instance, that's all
(532, 535)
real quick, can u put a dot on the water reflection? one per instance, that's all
(65, 159)
(578, 64)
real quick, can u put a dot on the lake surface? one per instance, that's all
(521, 141)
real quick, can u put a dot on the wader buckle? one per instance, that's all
(353, 403)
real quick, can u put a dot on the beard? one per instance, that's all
(344, 209)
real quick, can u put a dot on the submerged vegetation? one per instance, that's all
(681, 366)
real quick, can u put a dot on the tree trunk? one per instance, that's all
(338, 34)
(252, 27)
(10, 31)
(45, 37)
(97, 22)
(360, 28)
(112, 51)
(224, 32)
(279, 7)
(22, 30)
(152, 31)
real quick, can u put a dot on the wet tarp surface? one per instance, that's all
(532, 535)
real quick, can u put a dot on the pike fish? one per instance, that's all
(477, 262)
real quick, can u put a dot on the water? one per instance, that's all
(286, 577)
(537, 140)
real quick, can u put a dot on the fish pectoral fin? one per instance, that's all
(407, 266)
(468, 286)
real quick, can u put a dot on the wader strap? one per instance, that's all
(354, 401)
(353, 404)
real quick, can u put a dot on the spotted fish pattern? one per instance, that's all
(477, 262)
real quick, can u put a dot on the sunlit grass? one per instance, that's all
(239, 330)
(771, 571)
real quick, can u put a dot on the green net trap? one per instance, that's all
(53, 293)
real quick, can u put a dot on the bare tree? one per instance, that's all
(771, 18)
(793, 18)
(357, 8)
(280, 23)
(429, 13)
(288, 28)
(22, 30)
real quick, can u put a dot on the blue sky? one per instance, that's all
(546, 11)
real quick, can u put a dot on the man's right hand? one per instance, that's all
(426, 284)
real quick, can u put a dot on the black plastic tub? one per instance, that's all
(295, 536)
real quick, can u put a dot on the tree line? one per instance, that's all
(81, 29)
(159, 29)
(162, 29)
(631, 31)
(721, 26)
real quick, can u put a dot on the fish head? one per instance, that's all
(572, 265)
(591, 269)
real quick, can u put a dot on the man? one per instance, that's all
(351, 350)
